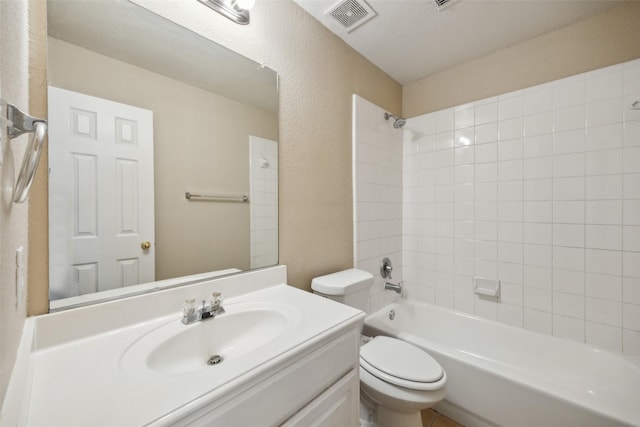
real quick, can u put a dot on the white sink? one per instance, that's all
(175, 348)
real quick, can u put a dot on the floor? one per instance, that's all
(431, 418)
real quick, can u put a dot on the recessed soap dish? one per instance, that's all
(488, 288)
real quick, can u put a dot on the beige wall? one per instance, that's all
(201, 144)
(13, 217)
(606, 39)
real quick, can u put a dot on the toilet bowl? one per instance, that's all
(397, 379)
(401, 379)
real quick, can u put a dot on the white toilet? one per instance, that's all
(397, 379)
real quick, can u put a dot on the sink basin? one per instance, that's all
(175, 348)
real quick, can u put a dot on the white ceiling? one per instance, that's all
(411, 39)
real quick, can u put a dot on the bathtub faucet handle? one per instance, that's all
(386, 268)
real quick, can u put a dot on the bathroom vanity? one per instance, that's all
(278, 355)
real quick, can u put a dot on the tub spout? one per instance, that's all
(396, 287)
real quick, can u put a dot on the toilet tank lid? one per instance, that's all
(342, 282)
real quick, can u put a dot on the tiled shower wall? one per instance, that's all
(263, 197)
(377, 180)
(539, 188)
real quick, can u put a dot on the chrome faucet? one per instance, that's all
(396, 287)
(210, 308)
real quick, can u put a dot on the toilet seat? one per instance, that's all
(401, 364)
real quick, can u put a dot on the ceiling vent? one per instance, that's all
(350, 14)
(442, 4)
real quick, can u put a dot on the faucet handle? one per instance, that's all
(189, 307)
(216, 299)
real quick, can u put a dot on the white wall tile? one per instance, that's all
(573, 188)
(631, 264)
(603, 187)
(537, 277)
(631, 316)
(631, 290)
(538, 211)
(603, 262)
(604, 212)
(631, 134)
(569, 212)
(485, 153)
(604, 137)
(486, 113)
(606, 86)
(604, 112)
(511, 129)
(538, 99)
(485, 133)
(605, 336)
(604, 237)
(631, 212)
(485, 172)
(539, 189)
(604, 311)
(538, 145)
(569, 91)
(567, 281)
(538, 255)
(631, 186)
(631, 342)
(538, 321)
(568, 165)
(603, 162)
(569, 118)
(538, 168)
(603, 286)
(537, 299)
(568, 327)
(464, 118)
(538, 124)
(566, 142)
(570, 305)
(571, 235)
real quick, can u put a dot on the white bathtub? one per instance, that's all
(507, 376)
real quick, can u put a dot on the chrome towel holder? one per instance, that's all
(18, 124)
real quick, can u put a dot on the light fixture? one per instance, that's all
(235, 10)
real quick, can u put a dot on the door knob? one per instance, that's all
(145, 245)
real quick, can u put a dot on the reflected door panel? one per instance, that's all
(100, 194)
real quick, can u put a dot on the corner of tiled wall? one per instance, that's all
(377, 163)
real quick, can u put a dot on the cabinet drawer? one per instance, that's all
(337, 407)
(278, 397)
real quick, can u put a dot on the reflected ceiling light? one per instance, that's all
(235, 10)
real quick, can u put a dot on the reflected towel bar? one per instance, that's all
(217, 197)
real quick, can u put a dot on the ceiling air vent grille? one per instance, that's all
(350, 14)
(441, 4)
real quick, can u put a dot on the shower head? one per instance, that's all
(398, 122)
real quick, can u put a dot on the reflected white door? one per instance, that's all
(101, 210)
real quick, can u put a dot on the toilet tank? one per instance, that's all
(350, 287)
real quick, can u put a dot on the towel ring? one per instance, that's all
(19, 123)
(30, 162)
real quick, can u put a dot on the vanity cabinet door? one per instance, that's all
(336, 407)
(282, 395)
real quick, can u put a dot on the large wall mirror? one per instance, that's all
(162, 153)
